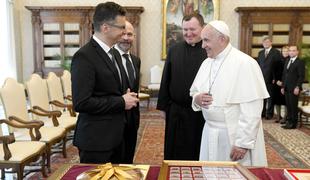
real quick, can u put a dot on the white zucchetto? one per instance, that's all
(221, 26)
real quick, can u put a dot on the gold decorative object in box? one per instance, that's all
(201, 170)
(115, 172)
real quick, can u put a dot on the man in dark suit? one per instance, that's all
(293, 77)
(267, 60)
(98, 86)
(131, 65)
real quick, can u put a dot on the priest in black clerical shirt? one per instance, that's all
(183, 126)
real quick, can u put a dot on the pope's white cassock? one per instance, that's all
(234, 118)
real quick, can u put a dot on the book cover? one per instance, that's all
(297, 174)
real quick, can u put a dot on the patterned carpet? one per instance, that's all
(285, 148)
(150, 138)
(292, 145)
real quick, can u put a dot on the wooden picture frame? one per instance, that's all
(163, 174)
(173, 12)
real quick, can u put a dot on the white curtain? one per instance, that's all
(8, 66)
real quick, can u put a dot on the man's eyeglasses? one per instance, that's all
(117, 26)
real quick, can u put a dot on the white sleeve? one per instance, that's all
(249, 122)
(195, 106)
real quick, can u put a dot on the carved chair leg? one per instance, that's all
(43, 165)
(64, 148)
(20, 172)
(48, 157)
(148, 103)
(2, 173)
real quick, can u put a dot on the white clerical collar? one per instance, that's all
(223, 54)
(103, 45)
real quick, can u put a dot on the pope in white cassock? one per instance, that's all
(229, 89)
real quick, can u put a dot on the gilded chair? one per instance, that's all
(15, 107)
(38, 98)
(18, 154)
(56, 96)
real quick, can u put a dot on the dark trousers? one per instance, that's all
(130, 137)
(292, 108)
(115, 156)
(182, 133)
(268, 108)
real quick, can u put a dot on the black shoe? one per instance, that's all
(289, 127)
(269, 117)
(285, 126)
(282, 122)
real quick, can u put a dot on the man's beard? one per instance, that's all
(125, 46)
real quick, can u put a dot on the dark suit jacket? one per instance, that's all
(97, 96)
(268, 64)
(294, 76)
(134, 112)
(137, 64)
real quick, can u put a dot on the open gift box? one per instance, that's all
(116, 171)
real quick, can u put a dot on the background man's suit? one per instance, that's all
(97, 95)
(132, 115)
(293, 77)
(268, 67)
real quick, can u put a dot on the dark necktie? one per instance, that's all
(115, 63)
(266, 53)
(289, 64)
(130, 70)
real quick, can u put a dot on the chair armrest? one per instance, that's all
(42, 112)
(19, 123)
(68, 106)
(34, 123)
(6, 140)
(69, 97)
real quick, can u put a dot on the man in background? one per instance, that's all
(131, 65)
(98, 83)
(293, 77)
(229, 90)
(183, 126)
(267, 60)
